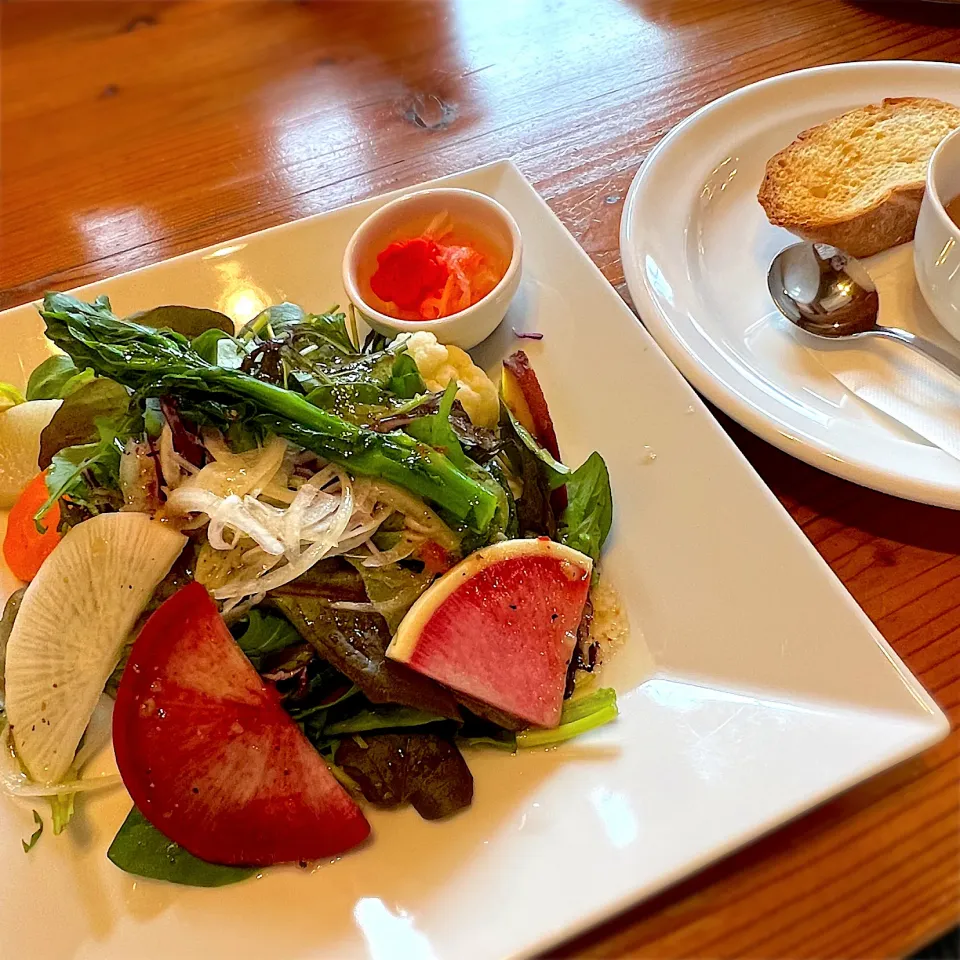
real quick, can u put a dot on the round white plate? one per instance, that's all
(696, 246)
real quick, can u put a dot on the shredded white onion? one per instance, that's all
(381, 558)
(270, 523)
(239, 473)
(172, 465)
(353, 607)
(419, 518)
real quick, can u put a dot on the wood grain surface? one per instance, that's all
(134, 131)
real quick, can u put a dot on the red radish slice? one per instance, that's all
(209, 755)
(501, 626)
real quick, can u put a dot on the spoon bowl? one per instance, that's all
(823, 290)
(829, 294)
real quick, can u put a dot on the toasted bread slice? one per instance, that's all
(856, 181)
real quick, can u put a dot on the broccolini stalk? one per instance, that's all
(579, 715)
(155, 362)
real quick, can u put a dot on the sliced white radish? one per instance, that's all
(20, 429)
(70, 630)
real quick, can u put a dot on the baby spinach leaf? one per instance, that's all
(261, 633)
(57, 377)
(28, 845)
(405, 379)
(75, 422)
(396, 768)
(141, 849)
(10, 396)
(585, 523)
(189, 322)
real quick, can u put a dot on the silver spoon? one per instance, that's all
(829, 294)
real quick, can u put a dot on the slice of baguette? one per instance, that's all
(856, 181)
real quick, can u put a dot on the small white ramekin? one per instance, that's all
(407, 217)
(936, 244)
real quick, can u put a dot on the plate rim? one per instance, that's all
(823, 455)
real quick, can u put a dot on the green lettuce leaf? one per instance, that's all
(61, 811)
(585, 523)
(89, 473)
(262, 633)
(189, 322)
(392, 589)
(579, 715)
(386, 717)
(75, 423)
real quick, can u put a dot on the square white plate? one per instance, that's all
(751, 689)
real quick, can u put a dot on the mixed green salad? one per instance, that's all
(286, 572)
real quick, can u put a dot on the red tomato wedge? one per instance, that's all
(209, 755)
(24, 546)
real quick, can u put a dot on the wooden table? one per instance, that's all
(133, 131)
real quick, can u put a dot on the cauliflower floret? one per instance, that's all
(439, 364)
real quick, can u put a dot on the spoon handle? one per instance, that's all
(941, 356)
